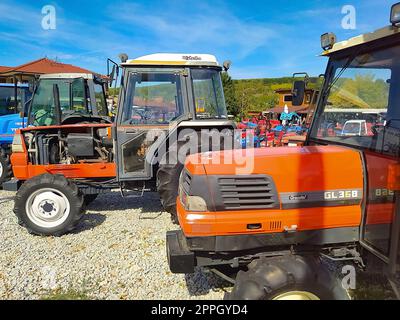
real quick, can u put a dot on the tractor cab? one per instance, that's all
(163, 94)
(274, 218)
(363, 73)
(61, 99)
(13, 98)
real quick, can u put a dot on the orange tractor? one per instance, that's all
(270, 220)
(67, 156)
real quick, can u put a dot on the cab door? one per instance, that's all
(380, 227)
(152, 102)
(394, 255)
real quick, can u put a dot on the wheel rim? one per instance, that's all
(296, 295)
(47, 208)
(1, 169)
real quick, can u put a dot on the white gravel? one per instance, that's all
(117, 252)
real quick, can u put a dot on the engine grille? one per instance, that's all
(248, 192)
(186, 181)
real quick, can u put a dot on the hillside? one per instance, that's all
(247, 95)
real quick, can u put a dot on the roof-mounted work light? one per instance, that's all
(395, 14)
(328, 40)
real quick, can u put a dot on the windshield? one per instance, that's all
(208, 94)
(153, 98)
(74, 100)
(7, 99)
(358, 97)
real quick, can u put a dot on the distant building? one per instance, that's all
(286, 98)
(31, 70)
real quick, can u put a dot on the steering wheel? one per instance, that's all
(39, 115)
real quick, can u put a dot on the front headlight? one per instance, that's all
(195, 204)
(190, 203)
(17, 144)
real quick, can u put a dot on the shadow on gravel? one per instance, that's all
(6, 199)
(149, 203)
(201, 283)
(89, 221)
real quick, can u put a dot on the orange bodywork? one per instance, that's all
(24, 170)
(306, 169)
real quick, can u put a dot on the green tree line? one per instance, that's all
(243, 96)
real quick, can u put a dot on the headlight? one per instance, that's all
(395, 14)
(328, 40)
(194, 203)
(191, 203)
(17, 144)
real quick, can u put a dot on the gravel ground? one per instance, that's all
(117, 252)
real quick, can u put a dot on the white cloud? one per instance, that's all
(204, 27)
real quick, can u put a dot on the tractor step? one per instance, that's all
(134, 193)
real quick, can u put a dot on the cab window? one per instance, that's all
(101, 104)
(153, 99)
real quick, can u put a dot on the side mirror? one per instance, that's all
(112, 74)
(298, 92)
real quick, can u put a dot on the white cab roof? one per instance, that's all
(364, 38)
(175, 59)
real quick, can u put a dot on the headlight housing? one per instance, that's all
(17, 144)
(328, 40)
(395, 14)
(190, 203)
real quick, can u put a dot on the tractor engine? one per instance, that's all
(59, 146)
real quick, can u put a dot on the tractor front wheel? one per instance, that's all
(167, 187)
(5, 167)
(287, 278)
(49, 205)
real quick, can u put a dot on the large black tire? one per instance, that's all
(63, 188)
(273, 278)
(5, 167)
(167, 187)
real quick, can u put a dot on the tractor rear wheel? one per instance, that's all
(49, 205)
(5, 167)
(287, 278)
(168, 184)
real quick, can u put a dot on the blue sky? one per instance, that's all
(261, 38)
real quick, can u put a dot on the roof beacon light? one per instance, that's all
(328, 40)
(395, 14)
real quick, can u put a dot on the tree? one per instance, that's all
(230, 94)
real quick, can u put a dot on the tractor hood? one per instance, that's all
(311, 168)
(300, 189)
